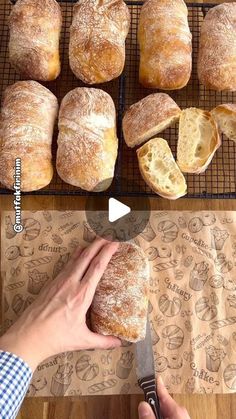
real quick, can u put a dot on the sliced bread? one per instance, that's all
(159, 169)
(148, 117)
(198, 140)
(225, 116)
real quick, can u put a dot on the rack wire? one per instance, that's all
(219, 181)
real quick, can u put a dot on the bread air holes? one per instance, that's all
(158, 165)
(143, 152)
(199, 152)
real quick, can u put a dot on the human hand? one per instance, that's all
(56, 321)
(169, 408)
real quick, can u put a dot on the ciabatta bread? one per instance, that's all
(87, 142)
(120, 305)
(225, 116)
(198, 140)
(35, 27)
(159, 170)
(217, 48)
(28, 115)
(148, 117)
(165, 44)
(97, 39)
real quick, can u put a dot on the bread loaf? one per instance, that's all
(148, 117)
(87, 142)
(225, 116)
(217, 48)
(165, 44)
(198, 140)
(28, 115)
(120, 305)
(97, 39)
(159, 170)
(35, 28)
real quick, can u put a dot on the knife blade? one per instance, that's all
(145, 371)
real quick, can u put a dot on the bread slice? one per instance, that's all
(225, 116)
(159, 170)
(148, 117)
(198, 140)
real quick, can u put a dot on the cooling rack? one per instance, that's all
(219, 181)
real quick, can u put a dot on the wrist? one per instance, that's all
(22, 347)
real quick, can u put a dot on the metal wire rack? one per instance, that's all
(219, 181)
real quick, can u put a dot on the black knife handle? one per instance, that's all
(148, 385)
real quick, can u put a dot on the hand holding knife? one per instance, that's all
(146, 372)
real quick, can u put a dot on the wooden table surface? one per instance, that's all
(120, 407)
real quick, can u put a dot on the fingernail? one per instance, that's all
(144, 410)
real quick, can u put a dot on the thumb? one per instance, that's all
(97, 341)
(145, 411)
(169, 407)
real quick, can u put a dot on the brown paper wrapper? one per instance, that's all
(192, 301)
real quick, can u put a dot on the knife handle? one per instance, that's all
(148, 385)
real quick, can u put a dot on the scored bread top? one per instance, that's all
(165, 44)
(159, 170)
(198, 140)
(87, 141)
(120, 304)
(217, 48)
(28, 114)
(97, 39)
(148, 117)
(34, 38)
(225, 116)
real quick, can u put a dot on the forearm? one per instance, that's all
(23, 346)
(15, 377)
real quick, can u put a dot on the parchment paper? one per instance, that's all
(192, 295)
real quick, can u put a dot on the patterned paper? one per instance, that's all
(192, 301)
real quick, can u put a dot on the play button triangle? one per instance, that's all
(117, 210)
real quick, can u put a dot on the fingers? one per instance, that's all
(145, 411)
(97, 341)
(97, 269)
(169, 407)
(82, 262)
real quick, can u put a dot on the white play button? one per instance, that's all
(117, 210)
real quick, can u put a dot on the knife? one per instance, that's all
(146, 372)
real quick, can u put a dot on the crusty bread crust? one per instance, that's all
(198, 140)
(159, 170)
(225, 116)
(28, 115)
(35, 28)
(120, 305)
(217, 48)
(97, 39)
(87, 141)
(148, 117)
(165, 44)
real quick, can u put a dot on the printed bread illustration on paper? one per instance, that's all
(85, 369)
(124, 365)
(61, 380)
(36, 281)
(169, 306)
(214, 356)
(174, 336)
(230, 376)
(60, 263)
(198, 276)
(9, 228)
(218, 238)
